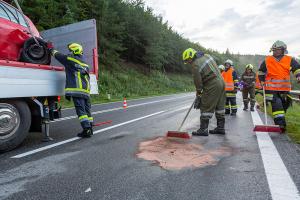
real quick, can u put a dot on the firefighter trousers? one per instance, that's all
(230, 106)
(83, 110)
(213, 101)
(280, 103)
(246, 93)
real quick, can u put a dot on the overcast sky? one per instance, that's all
(244, 26)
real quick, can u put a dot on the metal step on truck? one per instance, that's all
(30, 82)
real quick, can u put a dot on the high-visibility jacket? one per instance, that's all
(228, 79)
(257, 82)
(278, 73)
(77, 75)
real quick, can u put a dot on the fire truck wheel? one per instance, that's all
(35, 53)
(15, 120)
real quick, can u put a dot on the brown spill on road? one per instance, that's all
(176, 154)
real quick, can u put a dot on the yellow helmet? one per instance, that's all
(249, 66)
(75, 48)
(188, 54)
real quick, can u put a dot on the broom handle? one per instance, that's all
(265, 105)
(186, 115)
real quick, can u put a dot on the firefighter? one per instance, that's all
(258, 87)
(77, 84)
(274, 74)
(248, 82)
(231, 85)
(210, 90)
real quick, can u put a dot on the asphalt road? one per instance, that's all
(106, 167)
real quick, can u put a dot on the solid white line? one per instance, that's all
(280, 182)
(77, 138)
(119, 108)
(98, 104)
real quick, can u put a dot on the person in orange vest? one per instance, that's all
(221, 68)
(258, 87)
(231, 84)
(274, 74)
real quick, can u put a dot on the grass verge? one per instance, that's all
(292, 119)
(129, 82)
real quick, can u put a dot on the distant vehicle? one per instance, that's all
(16, 42)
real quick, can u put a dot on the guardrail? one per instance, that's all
(295, 93)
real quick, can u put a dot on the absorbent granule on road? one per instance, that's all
(176, 154)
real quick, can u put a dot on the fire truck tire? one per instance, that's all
(34, 53)
(15, 121)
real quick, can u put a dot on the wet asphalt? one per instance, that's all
(106, 167)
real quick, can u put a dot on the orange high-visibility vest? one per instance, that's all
(228, 79)
(278, 73)
(257, 82)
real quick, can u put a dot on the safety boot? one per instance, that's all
(245, 106)
(92, 124)
(220, 129)
(203, 130)
(86, 133)
(233, 114)
(252, 108)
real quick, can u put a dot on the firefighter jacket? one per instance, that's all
(248, 79)
(275, 72)
(206, 73)
(77, 75)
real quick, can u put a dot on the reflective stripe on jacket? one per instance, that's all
(278, 73)
(77, 75)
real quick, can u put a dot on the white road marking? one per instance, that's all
(77, 138)
(280, 182)
(119, 108)
(130, 100)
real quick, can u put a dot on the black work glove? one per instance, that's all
(197, 102)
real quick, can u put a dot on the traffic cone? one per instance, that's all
(124, 103)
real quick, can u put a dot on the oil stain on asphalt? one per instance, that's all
(177, 154)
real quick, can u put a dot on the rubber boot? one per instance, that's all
(220, 129)
(203, 131)
(92, 124)
(245, 106)
(227, 112)
(86, 133)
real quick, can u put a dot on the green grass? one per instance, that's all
(292, 119)
(132, 83)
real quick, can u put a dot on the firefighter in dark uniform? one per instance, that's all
(274, 74)
(231, 85)
(248, 82)
(210, 91)
(77, 85)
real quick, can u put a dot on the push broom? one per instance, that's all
(178, 133)
(266, 127)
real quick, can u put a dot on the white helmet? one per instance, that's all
(221, 67)
(229, 62)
